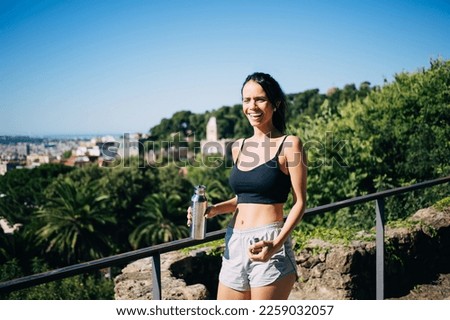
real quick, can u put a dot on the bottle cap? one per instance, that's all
(200, 189)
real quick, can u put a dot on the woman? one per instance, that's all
(258, 261)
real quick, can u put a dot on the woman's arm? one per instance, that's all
(228, 206)
(297, 166)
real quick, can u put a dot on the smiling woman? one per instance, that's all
(265, 91)
(258, 261)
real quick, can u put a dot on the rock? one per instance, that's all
(339, 258)
(432, 218)
(135, 282)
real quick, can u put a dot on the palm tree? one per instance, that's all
(158, 213)
(75, 223)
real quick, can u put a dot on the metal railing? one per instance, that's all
(154, 252)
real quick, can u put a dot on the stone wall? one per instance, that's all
(413, 255)
(184, 276)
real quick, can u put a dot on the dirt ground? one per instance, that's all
(438, 290)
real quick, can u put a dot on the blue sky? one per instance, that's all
(117, 66)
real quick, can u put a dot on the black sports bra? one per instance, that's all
(264, 184)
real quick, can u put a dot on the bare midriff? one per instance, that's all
(251, 215)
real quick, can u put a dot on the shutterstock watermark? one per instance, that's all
(190, 152)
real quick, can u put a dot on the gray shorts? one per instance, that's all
(240, 273)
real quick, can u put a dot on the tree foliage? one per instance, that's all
(81, 287)
(75, 222)
(157, 215)
(21, 191)
(408, 124)
(392, 136)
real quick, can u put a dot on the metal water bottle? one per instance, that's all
(198, 209)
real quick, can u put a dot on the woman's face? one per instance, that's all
(256, 105)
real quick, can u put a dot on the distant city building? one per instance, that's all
(23, 150)
(3, 168)
(212, 145)
(34, 160)
(211, 129)
(129, 147)
(85, 154)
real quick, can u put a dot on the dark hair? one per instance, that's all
(275, 95)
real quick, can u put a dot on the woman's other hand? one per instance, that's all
(189, 216)
(262, 250)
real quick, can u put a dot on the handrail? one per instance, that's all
(377, 195)
(156, 250)
(57, 274)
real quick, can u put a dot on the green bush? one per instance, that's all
(80, 287)
(442, 204)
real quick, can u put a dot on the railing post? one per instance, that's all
(156, 276)
(379, 208)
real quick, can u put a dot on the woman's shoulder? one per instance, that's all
(294, 152)
(293, 139)
(293, 142)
